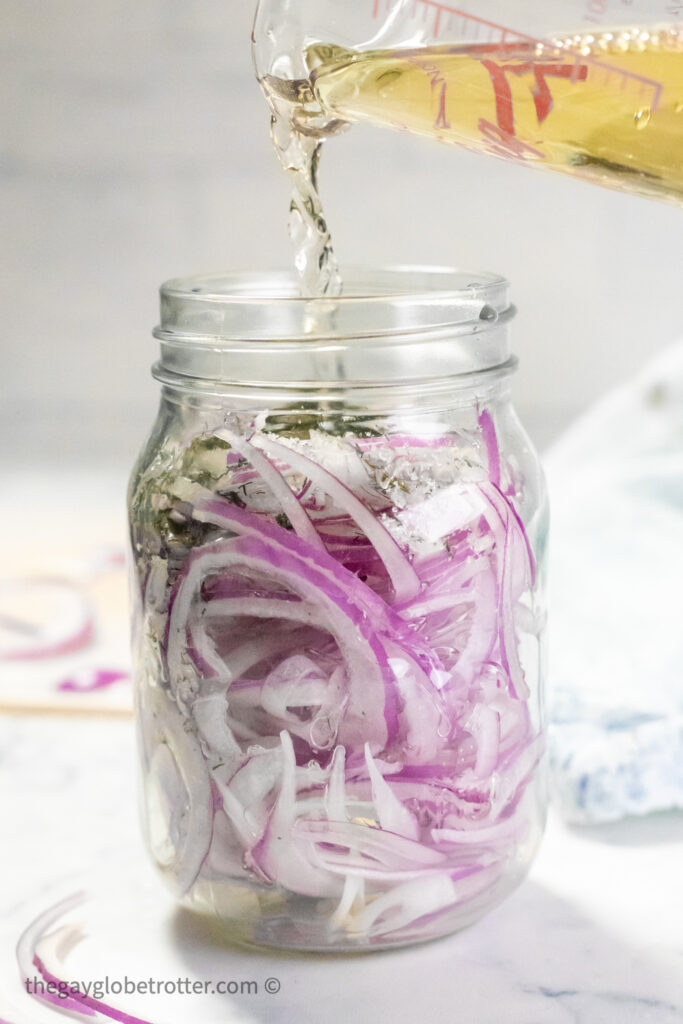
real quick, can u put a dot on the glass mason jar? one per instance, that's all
(338, 529)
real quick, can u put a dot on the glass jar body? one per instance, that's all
(338, 649)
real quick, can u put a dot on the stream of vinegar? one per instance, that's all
(604, 107)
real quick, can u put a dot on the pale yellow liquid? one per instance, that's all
(608, 108)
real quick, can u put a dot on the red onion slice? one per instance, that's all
(404, 579)
(32, 964)
(273, 479)
(43, 618)
(90, 680)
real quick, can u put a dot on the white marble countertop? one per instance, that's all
(594, 936)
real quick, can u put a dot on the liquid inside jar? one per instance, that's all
(338, 650)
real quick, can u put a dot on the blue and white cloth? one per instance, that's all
(616, 601)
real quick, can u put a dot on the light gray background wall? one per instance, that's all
(134, 147)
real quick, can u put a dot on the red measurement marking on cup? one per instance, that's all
(543, 98)
(502, 143)
(471, 27)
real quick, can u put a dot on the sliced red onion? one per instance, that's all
(188, 837)
(506, 831)
(240, 659)
(499, 520)
(210, 713)
(335, 791)
(43, 618)
(488, 432)
(244, 793)
(226, 515)
(483, 629)
(485, 724)
(32, 963)
(264, 608)
(291, 505)
(352, 897)
(392, 814)
(379, 755)
(460, 589)
(405, 904)
(517, 534)
(297, 683)
(89, 680)
(281, 856)
(423, 717)
(403, 577)
(345, 621)
(338, 842)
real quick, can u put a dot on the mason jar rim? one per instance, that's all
(391, 324)
(397, 280)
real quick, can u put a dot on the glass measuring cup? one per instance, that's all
(592, 88)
